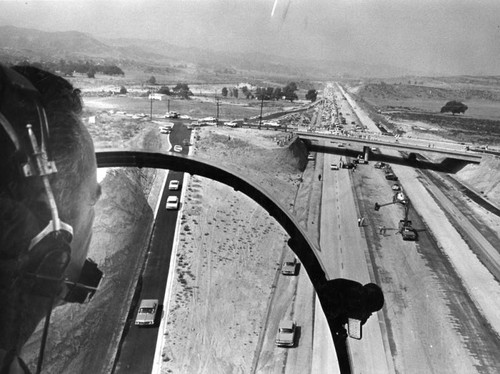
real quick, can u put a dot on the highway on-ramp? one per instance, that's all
(138, 345)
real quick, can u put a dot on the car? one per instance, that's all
(378, 165)
(172, 203)
(334, 167)
(171, 115)
(391, 177)
(361, 159)
(409, 233)
(164, 130)
(289, 267)
(177, 148)
(286, 333)
(311, 157)
(231, 124)
(396, 187)
(146, 315)
(173, 185)
(341, 145)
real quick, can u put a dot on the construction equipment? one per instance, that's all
(405, 227)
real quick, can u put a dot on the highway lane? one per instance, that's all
(343, 252)
(137, 351)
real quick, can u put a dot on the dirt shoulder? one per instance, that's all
(228, 253)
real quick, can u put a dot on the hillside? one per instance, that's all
(19, 44)
(404, 91)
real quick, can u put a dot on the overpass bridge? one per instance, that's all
(334, 143)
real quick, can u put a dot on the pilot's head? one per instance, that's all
(24, 202)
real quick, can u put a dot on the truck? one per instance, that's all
(406, 230)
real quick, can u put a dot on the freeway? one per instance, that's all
(137, 349)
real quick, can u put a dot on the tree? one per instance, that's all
(289, 91)
(123, 90)
(277, 93)
(269, 93)
(224, 91)
(182, 89)
(91, 73)
(312, 95)
(235, 92)
(164, 90)
(152, 80)
(110, 70)
(454, 107)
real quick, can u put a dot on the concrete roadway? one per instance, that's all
(343, 251)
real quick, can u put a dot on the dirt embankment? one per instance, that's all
(257, 156)
(483, 178)
(84, 338)
(229, 252)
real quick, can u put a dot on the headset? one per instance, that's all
(40, 269)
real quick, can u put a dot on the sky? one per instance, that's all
(426, 36)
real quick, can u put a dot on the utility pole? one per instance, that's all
(151, 107)
(168, 105)
(261, 105)
(217, 103)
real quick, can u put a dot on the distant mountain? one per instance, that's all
(39, 45)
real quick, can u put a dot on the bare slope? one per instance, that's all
(229, 252)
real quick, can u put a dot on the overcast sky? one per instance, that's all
(445, 36)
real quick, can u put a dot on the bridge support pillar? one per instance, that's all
(366, 153)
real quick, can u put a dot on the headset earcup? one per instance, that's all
(45, 265)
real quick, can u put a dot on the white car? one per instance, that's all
(172, 203)
(173, 185)
(177, 148)
(146, 315)
(171, 115)
(289, 267)
(286, 334)
(334, 166)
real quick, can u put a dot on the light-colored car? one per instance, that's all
(286, 333)
(289, 267)
(177, 148)
(396, 187)
(173, 185)
(172, 203)
(171, 114)
(146, 315)
(334, 166)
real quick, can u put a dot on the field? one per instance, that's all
(397, 103)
